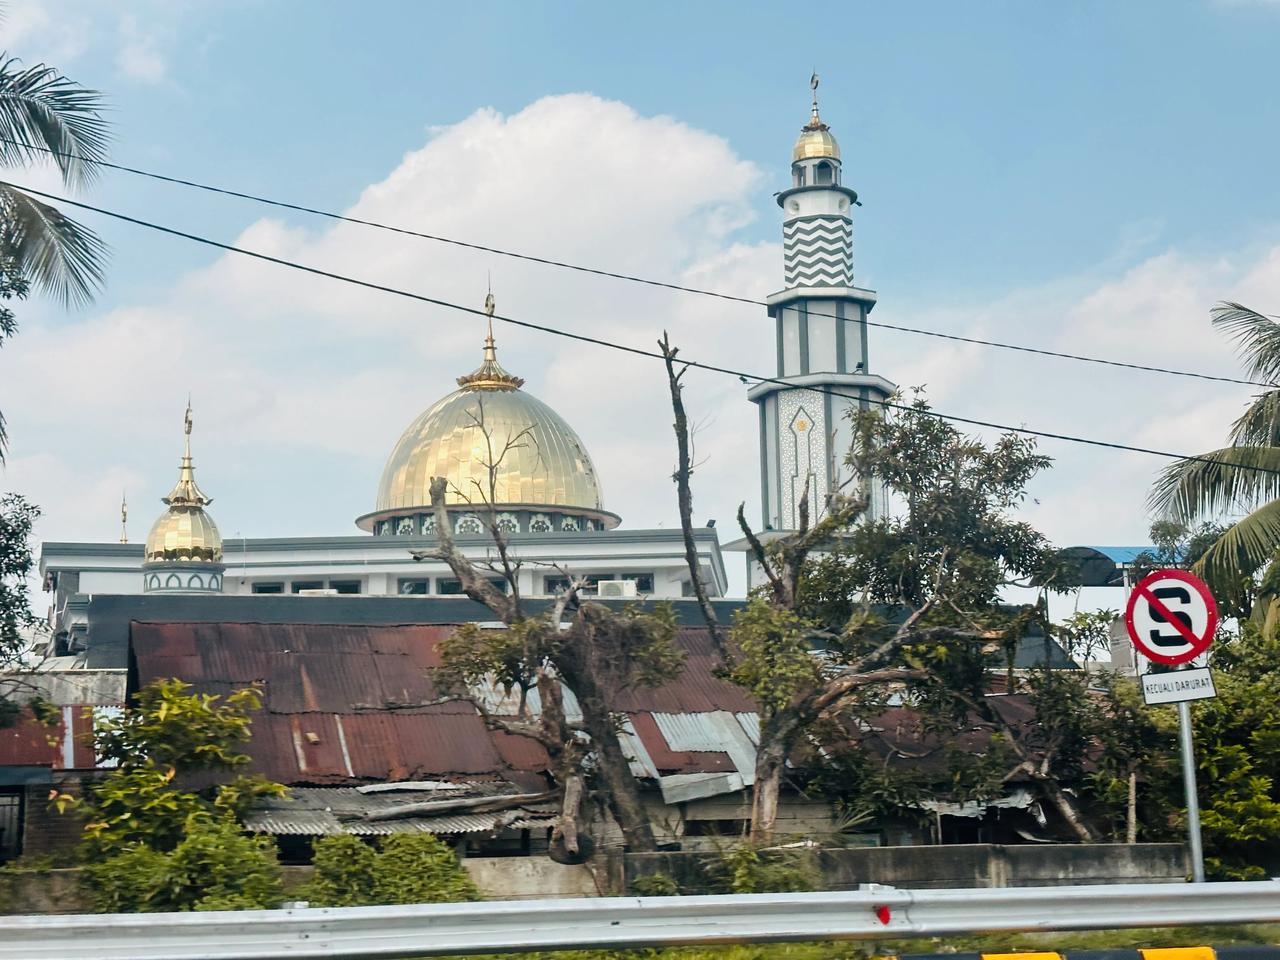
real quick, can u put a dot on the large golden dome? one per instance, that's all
(542, 465)
(184, 533)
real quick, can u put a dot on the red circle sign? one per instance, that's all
(1171, 616)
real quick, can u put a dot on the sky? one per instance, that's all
(1088, 178)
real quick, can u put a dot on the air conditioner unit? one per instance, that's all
(616, 588)
(318, 593)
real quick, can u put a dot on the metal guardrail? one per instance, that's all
(425, 930)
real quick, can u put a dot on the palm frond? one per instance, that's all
(1257, 338)
(1232, 478)
(1243, 549)
(41, 108)
(1259, 426)
(55, 252)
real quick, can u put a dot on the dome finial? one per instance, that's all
(185, 492)
(814, 119)
(124, 518)
(490, 375)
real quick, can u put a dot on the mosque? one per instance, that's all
(509, 457)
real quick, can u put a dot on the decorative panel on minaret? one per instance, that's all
(818, 251)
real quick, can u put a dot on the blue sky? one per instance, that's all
(1090, 177)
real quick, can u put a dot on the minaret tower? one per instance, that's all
(184, 549)
(820, 333)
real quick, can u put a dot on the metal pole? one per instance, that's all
(1189, 785)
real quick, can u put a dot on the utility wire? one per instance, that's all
(716, 294)
(612, 345)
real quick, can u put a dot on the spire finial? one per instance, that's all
(186, 427)
(815, 122)
(489, 305)
(124, 518)
(490, 375)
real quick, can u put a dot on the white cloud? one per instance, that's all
(302, 385)
(138, 56)
(36, 32)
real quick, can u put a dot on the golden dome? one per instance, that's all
(541, 461)
(815, 136)
(184, 533)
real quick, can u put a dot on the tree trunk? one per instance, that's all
(623, 793)
(1067, 808)
(1131, 815)
(777, 734)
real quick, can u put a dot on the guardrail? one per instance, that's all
(426, 930)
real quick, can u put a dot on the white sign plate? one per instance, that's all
(1178, 685)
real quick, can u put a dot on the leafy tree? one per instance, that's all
(156, 844)
(1244, 475)
(17, 518)
(857, 606)
(401, 868)
(593, 650)
(44, 117)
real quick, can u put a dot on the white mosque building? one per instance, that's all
(545, 491)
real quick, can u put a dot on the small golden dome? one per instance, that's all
(184, 533)
(815, 136)
(541, 461)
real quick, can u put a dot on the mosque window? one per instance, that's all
(380, 528)
(428, 525)
(276, 587)
(540, 523)
(508, 523)
(345, 586)
(404, 526)
(449, 587)
(410, 588)
(799, 175)
(554, 585)
(569, 524)
(644, 581)
(823, 173)
(297, 586)
(469, 525)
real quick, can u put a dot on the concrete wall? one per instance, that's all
(527, 878)
(44, 891)
(957, 865)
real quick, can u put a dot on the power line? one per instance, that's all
(647, 281)
(612, 345)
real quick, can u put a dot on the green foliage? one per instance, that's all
(749, 869)
(168, 732)
(213, 867)
(655, 885)
(343, 873)
(1086, 635)
(153, 845)
(17, 518)
(403, 868)
(776, 660)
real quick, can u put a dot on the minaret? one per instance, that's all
(184, 549)
(820, 336)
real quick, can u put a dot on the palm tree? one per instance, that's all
(1242, 477)
(44, 116)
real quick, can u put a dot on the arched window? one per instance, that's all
(823, 173)
(215, 582)
(196, 582)
(540, 523)
(508, 523)
(173, 580)
(428, 525)
(469, 524)
(569, 524)
(798, 178)
(404, 526)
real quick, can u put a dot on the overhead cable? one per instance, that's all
(662, 284)
(613, 345)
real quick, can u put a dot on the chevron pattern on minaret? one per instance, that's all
(818, 252)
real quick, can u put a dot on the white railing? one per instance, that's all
(427, 930)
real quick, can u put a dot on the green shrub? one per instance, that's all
(655, 885)
(214, 867)
(404, 868)
(748, 869)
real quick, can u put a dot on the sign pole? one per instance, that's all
(1189, 786)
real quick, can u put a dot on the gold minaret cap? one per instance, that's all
(490, 375)
(815, 136)
(184, 533)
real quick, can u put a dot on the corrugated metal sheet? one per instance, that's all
(718, 731)
(667, 760)
(696, 690)
(634, 748)
(327, 811)
(64, 744)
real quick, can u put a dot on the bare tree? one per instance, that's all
(593, 650)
